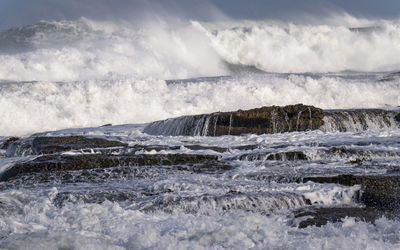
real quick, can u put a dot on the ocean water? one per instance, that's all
(70, 77)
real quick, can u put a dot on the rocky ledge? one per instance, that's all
(274, 119)
(71, 153)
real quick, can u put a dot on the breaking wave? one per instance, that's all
(86, 49)
(42, 106)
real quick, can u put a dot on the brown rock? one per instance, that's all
(265, 120)
(50, 145)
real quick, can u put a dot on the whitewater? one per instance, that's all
(82, 80)
(82, 73)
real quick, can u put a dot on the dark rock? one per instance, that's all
(274, 119)
(247, 147)
(8, 142)
(319, 216)
(50, 163)
(50, 145)
(106, 125)
(263, 120)
(200, 147)
(397, 118)
(378, 191)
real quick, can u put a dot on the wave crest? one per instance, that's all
(306, 48)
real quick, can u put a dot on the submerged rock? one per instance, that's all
(378, 191)
(319, 216)
(265, 120)
(49, 145)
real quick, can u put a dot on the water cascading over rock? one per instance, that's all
(264, 120)
(274, 119)
(359, 120)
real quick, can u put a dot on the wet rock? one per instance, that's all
(280, 156)
(359, 120)
(247, 147)
(359, 156)
(50, 163)
(397, 118)
(8, 142)
(378, 191)
(263, 120)
(356, 161)
(97, 175)
(319, 216)
(50, 145)
(340, 150)
(213, 148)
(158, 148)
(274, 119)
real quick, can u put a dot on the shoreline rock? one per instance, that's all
(60, 162)
(274, 119)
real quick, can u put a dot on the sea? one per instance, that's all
(69, 78)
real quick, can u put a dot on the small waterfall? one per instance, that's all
(198, 125)
(215, 124)
(298, 120)
(287, 122)
(273, 120)
(185, 125)
(264, 203)
(230, 124)
(359, 120)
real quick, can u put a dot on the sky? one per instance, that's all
(23, 12)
